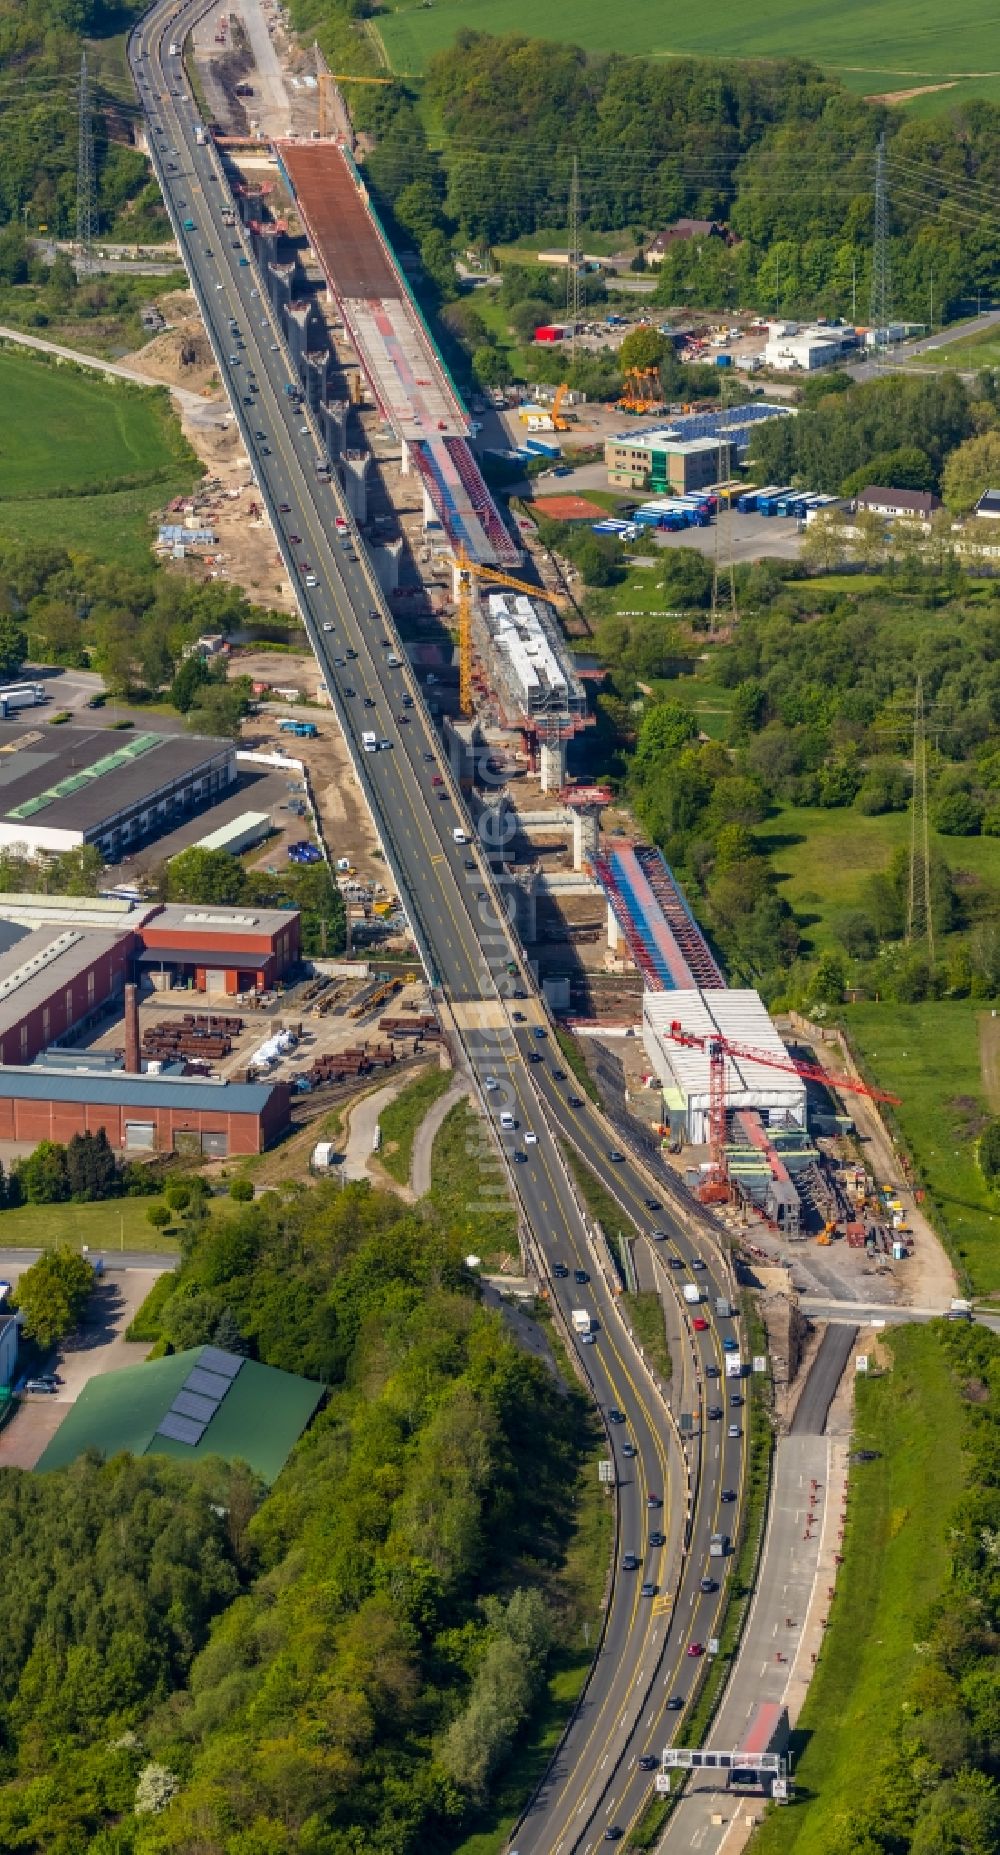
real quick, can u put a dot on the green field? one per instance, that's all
(120, 1224)
(903, 47)
(928, 1055)
(967, 355)
(84, 462)
(400, 1120)
(822, 859)
(897, 1557)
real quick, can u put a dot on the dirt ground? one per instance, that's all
(345, 817)
(989, 1057)
(225, 501)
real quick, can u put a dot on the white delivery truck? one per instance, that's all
(583, 1322)
(369, 741)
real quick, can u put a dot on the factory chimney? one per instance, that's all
(133, 1054)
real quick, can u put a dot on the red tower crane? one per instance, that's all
(719, 1047)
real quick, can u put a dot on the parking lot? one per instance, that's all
(98, 1346)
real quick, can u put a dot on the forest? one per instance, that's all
(778, 151)
(40, 46)
(343, 1664)
(819, 687)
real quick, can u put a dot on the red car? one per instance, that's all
(699, 1324)
(696, 1648)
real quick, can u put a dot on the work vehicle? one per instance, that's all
(21, 696)
(583, 1320)
(306, 730)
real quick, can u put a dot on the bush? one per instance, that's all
(178, 1194)
(242, 1191)
(958, 814)
(989, 1152)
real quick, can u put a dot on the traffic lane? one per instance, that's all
(261, 361)
(617, 1689)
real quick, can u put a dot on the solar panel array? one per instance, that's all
(199, 1397)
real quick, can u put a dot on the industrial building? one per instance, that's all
(791, 349)
(142, 1113)
(201, 1402)
(60, 789)
(647, 458)
(65, 963)
(242, 833)
(52, 979)
(222, 950)
(777, 1094)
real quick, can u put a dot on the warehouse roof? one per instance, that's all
(198, 1403)
(206, 923)
(737, 1014)
(131, 1091)
(73, 778)
(39, 963)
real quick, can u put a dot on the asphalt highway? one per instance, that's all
(487, 999)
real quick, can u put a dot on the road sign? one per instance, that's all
(861, 1362)
(760, 1362)
(606, 1471)
(663, 1782)
(779, 1790)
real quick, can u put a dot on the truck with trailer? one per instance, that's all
(21, 696)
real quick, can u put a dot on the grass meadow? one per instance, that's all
(83, 461)
(874, 50)
(897, 1554)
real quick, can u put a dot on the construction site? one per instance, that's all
(755, 1126)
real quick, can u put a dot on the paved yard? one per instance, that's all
(99, 1346)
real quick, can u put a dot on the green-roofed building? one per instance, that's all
(203, 1402)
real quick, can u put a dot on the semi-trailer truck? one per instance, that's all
(21, 696)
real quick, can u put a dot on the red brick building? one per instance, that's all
(222, 950)
(143, 1114)
(53, 978)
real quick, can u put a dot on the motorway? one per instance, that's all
(489, 1005)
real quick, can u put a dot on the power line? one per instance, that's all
(919, 913)
(86, 191)
(880, 272)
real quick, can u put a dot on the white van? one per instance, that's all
(459, 835)
(369, 742)
(692, 1295)
(507, 1121)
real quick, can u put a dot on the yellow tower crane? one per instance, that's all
(469, 570)
(324, 80)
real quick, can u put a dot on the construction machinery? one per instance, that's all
(718, 1050)
(559, 423)
(469, 570)
(642, 390)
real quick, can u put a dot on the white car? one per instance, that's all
(327, 625)
(530, 1139)
(303, 431)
